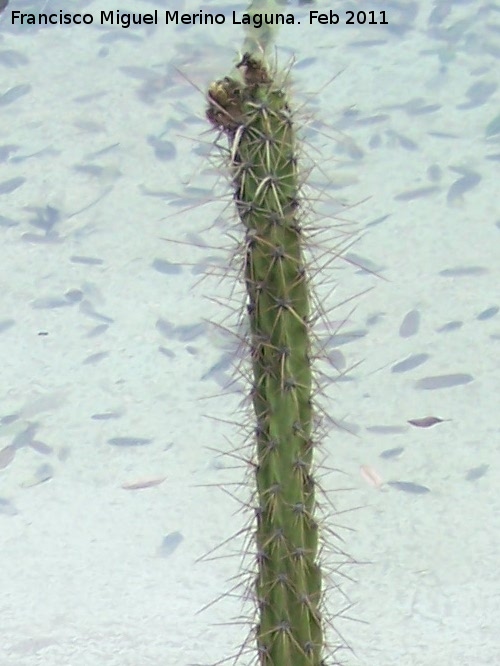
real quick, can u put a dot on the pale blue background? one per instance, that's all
(116, 344)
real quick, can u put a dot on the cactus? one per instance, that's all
(253, 113)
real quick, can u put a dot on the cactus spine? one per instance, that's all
(255, 116)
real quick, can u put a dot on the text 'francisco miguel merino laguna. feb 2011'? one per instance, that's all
(257, 20)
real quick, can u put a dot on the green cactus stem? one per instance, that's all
(255, 116)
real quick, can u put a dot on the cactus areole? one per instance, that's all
(255, 116)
